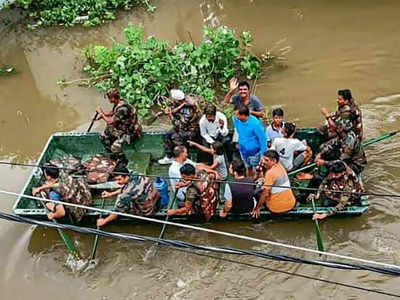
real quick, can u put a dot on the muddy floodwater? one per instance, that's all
(334, 45)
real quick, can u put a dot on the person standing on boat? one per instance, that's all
(123, 125)
(239, 194)
(348, 110)
(340, 188)
(275, 129)
(345, 146)
(136, 196)
(185, 116)
(276, 193)
(252, 140)
(288, 146)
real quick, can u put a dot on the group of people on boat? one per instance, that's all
(258, 158)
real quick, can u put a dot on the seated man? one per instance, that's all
(122, 125)
(276, 192)
(239, 194)
(201, 193)
(288, 146)
(63, 187)
(136, 196)
(275, 129)
(345, 146)
(184, 116)
(343, 180)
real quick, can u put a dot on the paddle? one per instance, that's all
(96, 238)
(94, 119)
(153, 250)
(367, 143)
(320, 243)
(66, 239)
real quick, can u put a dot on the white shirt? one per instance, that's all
(286, 148)
(210, 130)
(174, 172)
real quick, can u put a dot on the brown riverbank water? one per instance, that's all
(335, 44)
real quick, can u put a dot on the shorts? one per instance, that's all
(251, 161)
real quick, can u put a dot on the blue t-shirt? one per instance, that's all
(254, 105)
(251, 134)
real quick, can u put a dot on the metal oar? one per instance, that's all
(153, 250)
(320, 243)
(64, 236)
(94, 119)
(367, 143)
(96, 238)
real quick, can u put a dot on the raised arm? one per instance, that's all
(200, 147)
(233, 85)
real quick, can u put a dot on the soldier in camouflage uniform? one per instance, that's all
(137, 195)
(122, 124)
(343, 180)
(63, 187)
(345, 146)
(185, 116)
(347, 109)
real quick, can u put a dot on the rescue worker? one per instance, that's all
(136, 196)
(348, 110)
(341, 187)
(345, 146)
(123, 125)
(184, 116)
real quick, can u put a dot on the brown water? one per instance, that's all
(334, 44)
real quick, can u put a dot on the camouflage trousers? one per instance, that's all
(113, 140)
(175, 138)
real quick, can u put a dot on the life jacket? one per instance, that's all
(209, 194)
(99, 168)
(67, 163)
(130, 125)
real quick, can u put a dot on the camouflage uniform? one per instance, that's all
(347, 184)
(76, 191)
(125, 129)
(348, 149)
(138, 196)
(186, 125)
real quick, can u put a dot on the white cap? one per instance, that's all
(177, 94)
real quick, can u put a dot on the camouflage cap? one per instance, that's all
(344, 123)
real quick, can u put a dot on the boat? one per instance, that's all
(143, 156)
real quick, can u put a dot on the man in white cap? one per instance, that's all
(184, 116)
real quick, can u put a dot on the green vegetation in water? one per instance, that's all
(71, 12)
(144, 70)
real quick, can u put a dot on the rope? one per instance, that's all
(224, 181)
(223, 233)
(187, 245)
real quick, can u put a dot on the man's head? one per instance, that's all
(343, 125)
(50, 171)
(188, 171)
(270, 158)
(289, 129)
(344, 97)
(237, 168)
(337, 169)
(243, 113)
(277, 116)
(180, 153)
(121, 174)
(210, 112)
(218, 148)
(113, 96)
(244, 89)
(178, 96)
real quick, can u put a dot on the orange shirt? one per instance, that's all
(280, 199)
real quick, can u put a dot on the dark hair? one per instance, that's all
(346, 94)
(210, 110)
(120, 170)
(51, 170)
(238, 167)
(277, 112)
(218, 147)
(337, 166)
(187, 169)
(178, 150)
(243, 110)
(113, 93)
(290, 128)
(242, 83)
(272, 154)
